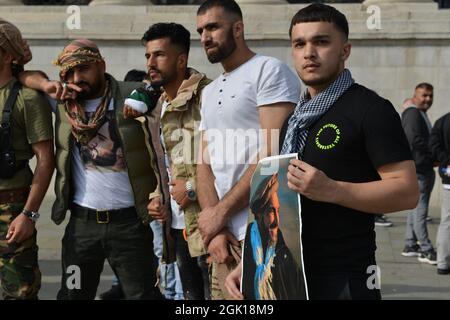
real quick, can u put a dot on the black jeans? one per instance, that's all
(341, 286)
(193, 271)
(126, 244)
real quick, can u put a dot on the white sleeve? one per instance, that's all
(202, 126)
(277, 83)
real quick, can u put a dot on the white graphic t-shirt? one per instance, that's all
(99, 172)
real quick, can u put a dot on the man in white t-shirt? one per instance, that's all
(254, 92)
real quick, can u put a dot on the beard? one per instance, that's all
(274, 224)
(268, 231)
(87, 156)
(105, 161)
(164, 77)
(223, 50)
(90, 91)
(427, 106)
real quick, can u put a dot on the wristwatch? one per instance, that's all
(33, 216)
(191, 194)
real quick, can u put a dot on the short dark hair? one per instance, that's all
(229, 6)
(177, 34)
(424, 85)
(135, 75)
(317, 12)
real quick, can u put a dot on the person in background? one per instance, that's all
(417, 128)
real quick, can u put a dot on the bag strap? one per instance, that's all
(10, 102)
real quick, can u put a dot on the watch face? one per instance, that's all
(191, 194)
(34, 216)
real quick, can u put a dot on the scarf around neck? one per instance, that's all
(84, 128)
(308, 111)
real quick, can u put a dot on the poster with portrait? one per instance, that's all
(272, 256)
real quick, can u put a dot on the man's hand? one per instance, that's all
(156, 210)
(310, 182)
(59, 91)
(218, 247)
(178, 192)
(20, 229)
(233, 283)
(211, 220)
(129, 112)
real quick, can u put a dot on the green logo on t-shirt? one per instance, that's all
(333, 135)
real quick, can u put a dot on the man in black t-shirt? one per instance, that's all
(355, 161)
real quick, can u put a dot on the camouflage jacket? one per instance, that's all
(179, 127)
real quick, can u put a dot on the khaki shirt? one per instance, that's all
(31, 122)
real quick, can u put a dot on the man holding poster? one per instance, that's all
(355, 161)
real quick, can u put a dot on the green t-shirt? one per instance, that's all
(31, 122)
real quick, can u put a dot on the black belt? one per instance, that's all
(102, 216)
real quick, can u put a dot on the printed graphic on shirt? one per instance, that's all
(328, 136)
(103, 152)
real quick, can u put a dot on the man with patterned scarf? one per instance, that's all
(104, 176)
(355, 161)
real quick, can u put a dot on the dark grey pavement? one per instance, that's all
(401, 277)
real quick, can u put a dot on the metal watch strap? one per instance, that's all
(33, 216)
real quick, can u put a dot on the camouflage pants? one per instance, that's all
(219, 272)
(19, 270)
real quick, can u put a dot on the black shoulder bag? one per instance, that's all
(8, 167)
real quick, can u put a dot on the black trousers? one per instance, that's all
(341, 286)
(193, 270)
(125, 243)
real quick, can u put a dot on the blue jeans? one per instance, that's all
(169, 274)
(416, 225)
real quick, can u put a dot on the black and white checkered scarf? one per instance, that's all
(308, 111)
